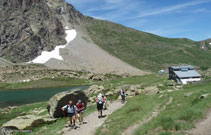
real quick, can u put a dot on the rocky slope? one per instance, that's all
(206, 44)
(30, 26)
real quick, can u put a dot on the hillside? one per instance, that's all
(51, 32)
(206, 44)
(29, 28)
(144, 50)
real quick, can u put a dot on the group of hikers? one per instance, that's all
(76, 111)
(73, 112)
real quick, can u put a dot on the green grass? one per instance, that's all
(144, 50)
(21, 110)
(146, 80)
(135, 110)
(45, 83)
(182, 113)
(178, 116)
(53, 129)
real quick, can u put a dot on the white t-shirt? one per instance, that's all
(71, 109)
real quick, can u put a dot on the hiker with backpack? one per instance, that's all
(71, 111)
(100, 102)
(80, 106)
(123, 95)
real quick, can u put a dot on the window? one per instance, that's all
(184, 69)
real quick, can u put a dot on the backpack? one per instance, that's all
(66, 109)
(123, 92)
(100, 100)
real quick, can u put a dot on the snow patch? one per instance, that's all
(45, 55)
(210, 43)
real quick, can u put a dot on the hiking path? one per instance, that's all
(93, 122)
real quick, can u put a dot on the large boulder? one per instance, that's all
(59, 100)
(25, 122)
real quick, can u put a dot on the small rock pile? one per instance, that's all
(95, 77)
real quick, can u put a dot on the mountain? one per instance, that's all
(31, 27)
(144, 50)
(206, 44)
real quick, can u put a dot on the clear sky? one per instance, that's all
(169, 18)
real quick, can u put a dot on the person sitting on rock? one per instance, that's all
(71, 113)
(80, 107)
(99, 101)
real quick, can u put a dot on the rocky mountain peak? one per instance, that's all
(30, 26)
(24, 4)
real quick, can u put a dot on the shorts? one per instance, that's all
(81, 111)
(71, 114)
(99, 106)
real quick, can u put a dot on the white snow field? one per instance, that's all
(46, 56)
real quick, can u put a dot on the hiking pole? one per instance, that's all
(64, 119)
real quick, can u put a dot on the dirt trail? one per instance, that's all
(203, 127)
(131, 130)
(93, 121)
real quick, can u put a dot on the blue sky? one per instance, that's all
(169, 18)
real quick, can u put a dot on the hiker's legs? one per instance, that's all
(74, 120)
(98, 112)
(101, 113)
(82, 119)
(123, 98)
(100, 109)
(79, 117)
(71, 121)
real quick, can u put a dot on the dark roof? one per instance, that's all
(182, 67)
(189, 73)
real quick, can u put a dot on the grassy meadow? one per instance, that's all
(178, 116)
(144, 50)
